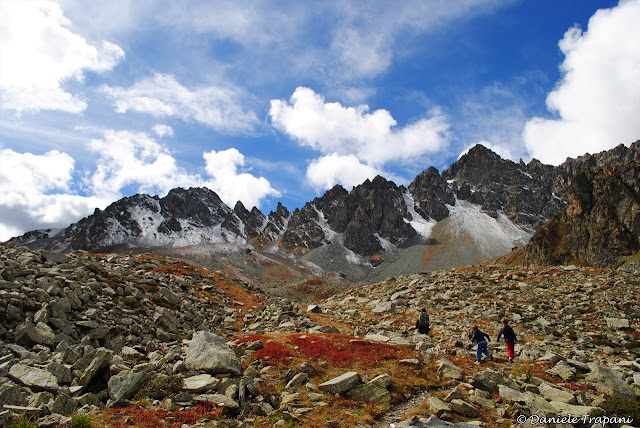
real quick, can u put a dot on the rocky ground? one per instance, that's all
(135, 340)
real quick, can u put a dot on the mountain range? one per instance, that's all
(479, 208)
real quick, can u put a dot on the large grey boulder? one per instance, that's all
(375, 390)
(33, 377)
(488, 380)
(554, 394)
(210, 353)
(40, 334)
(99, 362)
(608, 381)
(340, 384)
(448, 370)
(125, 384)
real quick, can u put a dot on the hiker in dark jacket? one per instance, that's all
(509, 338)
(482, 339)
(423, 322)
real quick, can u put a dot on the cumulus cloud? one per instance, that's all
(354, 136)
(598, 99)
(327, 171)
(33, 192)
(232, 185)
(134, 159)
(39, 53)
(371, 137)
(162, 130)
(163, 96)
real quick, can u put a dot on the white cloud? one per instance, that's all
(134, 159)
(232, 185)
(372, 137)
(162, 130)
(38, 54)
(598, 99)
(327, 171)
(30, 197)
(162, 95)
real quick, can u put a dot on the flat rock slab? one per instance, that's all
(33, 377)
(210, 353)
(200, 383)
(341, 384)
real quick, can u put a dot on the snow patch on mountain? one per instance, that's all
(494, 236)
(420, 225)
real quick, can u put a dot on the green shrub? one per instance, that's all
(161, 386)
(80, 421)
(621, 407)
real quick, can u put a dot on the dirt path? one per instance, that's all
(396, 414)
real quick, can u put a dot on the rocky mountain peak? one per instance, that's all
(600, 225)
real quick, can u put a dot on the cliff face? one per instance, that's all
(600, 225)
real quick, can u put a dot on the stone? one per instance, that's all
(384, 307)
(200, 383)
(210, 353)
(217, 399)
(297, 381)
(97, 364)
(617, 323)
(455, 393)
(53, 421)
(511, 394)
(125, 384)
(608, 381)
(554, 394)
(10, 393)
(565, 409)
(488, 380)
(313, 308)
(340, 384)
(448, 370)
(62, 373)
(33, 377)
(437, 406)
(375, 390)
(39, 334)
(463, 408)
(564, 371)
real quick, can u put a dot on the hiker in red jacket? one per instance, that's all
(509, 338)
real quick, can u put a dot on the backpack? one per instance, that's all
(423, 322)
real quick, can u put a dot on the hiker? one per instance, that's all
(482, 339)
(423, 322)
(509, 338)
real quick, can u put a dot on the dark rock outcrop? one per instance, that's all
(600, 225)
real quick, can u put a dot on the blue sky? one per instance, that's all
(280, 100)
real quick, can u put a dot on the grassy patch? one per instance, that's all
(81, 421)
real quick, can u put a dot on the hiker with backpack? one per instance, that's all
(482, 339)
(509, 338)
(422, 325)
